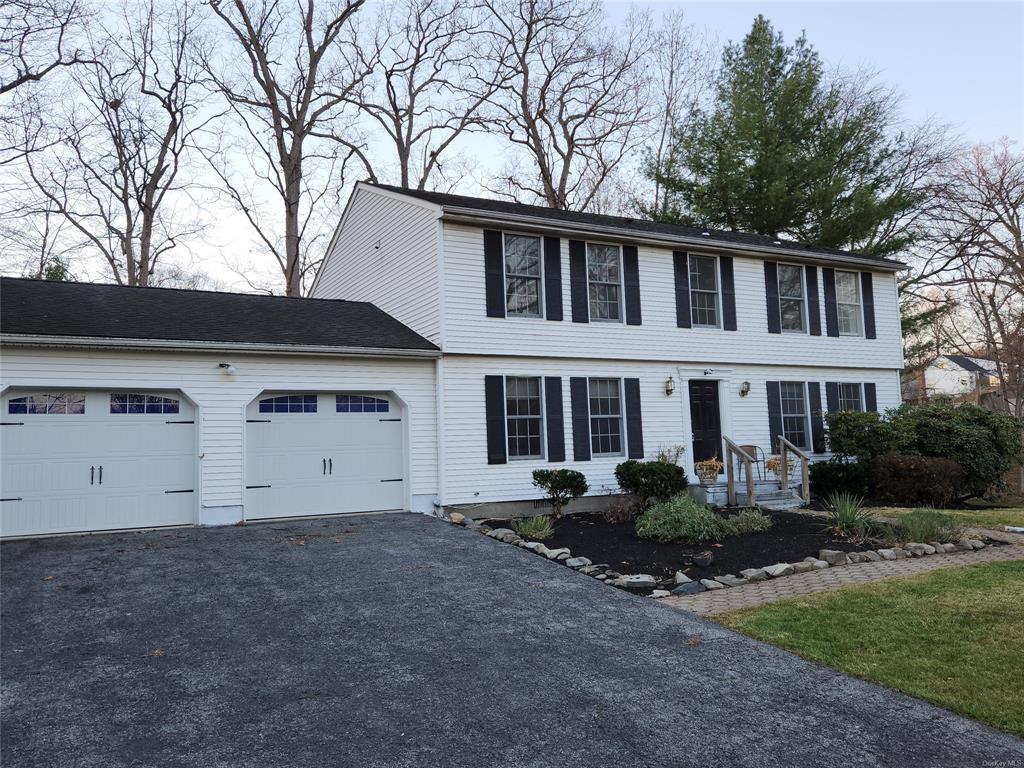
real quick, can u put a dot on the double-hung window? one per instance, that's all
(851, 397)
(523, 275)
(704, 291)
(604, 281)
(524, 417)
(792, 298)
(796, 424)
(848, 303)
(605, 417)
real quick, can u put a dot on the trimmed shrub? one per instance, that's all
(537, 527)
(837, 476)
(858, 434)
(650, 481)
(562, 486)
(846, 517)
(750, 521)
(902, 479)
(925, 525)
(682, 519)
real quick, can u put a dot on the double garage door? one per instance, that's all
(92, 461)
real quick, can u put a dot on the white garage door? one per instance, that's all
(322, 454)
(90, 461)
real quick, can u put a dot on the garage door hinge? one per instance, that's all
(388, 419)
(257, 421)
(12, 423)
(179, 422)
(16, 498)
(189, 490)
(393, 480)
(256, 486)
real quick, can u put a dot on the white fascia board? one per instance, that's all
(478, 217)
(173, 345)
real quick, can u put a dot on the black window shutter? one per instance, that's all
(867, 291)
(774, 414)
(494, 273)
(813, 307)
(552, 278)
(771, 292)
(828, 277)
(728, 293)
(681, 266)
(579, 397)
(578, 281)
(832, 395)
(817, 423)
(870, 397)
(634, 419)
(494, 399)
(555, 422)
(631, 283)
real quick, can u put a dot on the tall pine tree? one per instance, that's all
(786, 151)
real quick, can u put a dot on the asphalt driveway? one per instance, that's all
(403, 641)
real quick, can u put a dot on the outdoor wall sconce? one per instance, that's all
(670, 386)
(744, 389)
(228, 368)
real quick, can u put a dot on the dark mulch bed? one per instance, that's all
(793, 537)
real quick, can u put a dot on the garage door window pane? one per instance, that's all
(48, 403)
(360, 404)
(288, 404)
(134, 402)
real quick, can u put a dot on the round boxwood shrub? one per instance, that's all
(903, 479)
(562, 486)
(682, 518)
(650, 481)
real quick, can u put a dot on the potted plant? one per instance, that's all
(708, 470)
(774, 465)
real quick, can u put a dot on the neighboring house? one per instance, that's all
(499, 338)
(951, 376)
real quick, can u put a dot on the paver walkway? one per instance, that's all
(826, 580)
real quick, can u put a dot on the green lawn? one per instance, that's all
(953, 637)
(995, 517)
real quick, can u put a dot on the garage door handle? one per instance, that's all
(325, 465)
(330, 466)
(92, 475)
(101, 474)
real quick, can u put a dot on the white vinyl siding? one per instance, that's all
(848, 304)
(221, 399)
(468, 330)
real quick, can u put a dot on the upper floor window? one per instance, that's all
(796, 424)
(848, 303)
(604, 281)
(288, 404)
(792, 298)
(851, 397)
(605, 417)
(360, 404)
(134, 402)
(523, 274)
(48, 403)
(704, 291)
(523, 417)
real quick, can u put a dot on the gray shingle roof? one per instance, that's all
(507, 207)
(966, 363)
(86, 310)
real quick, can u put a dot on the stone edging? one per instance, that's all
(827, 558)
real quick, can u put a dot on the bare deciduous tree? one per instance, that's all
(285, 77)
(108, 162)
(572, 94)
(38, 37)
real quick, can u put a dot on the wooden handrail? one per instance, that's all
(731, 449)
(786, 447)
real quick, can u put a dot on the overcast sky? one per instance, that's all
(959, 61)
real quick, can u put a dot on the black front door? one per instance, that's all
(704, 417)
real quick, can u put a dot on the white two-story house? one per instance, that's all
(451, 346)
(579, 340)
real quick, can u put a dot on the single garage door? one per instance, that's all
(322, 454)
(92, 461)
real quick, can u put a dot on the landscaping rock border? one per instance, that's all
(681, 584)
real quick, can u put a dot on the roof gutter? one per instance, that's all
(458, 214)
(174, 345)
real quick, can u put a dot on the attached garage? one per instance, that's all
(94, 461)
(319, 453)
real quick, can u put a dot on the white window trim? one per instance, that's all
(807, 415)
(718, 294)
(543, 418)
(859, 304)
(622, 420)
(860, 389)
(803, 302)
(622, 288)
(504, 272)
